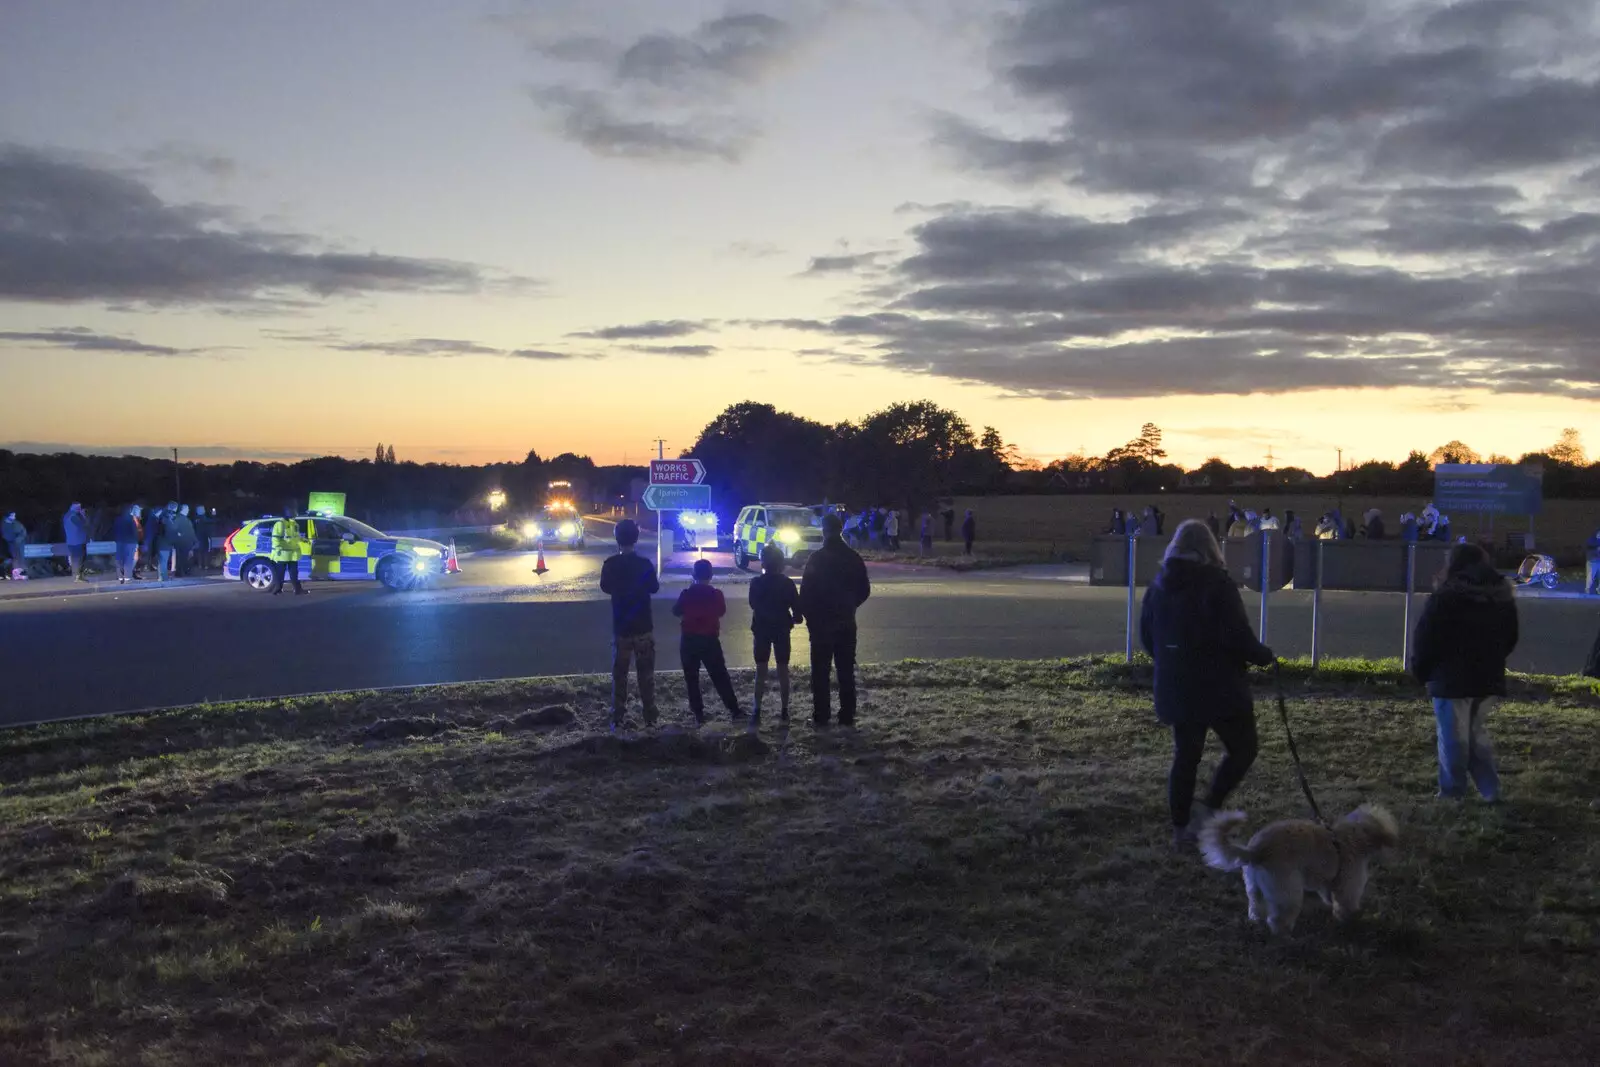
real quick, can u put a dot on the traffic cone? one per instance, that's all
(538, 565)
(452, 565)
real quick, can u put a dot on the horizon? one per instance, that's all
(501, 226)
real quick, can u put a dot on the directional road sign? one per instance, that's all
(678, 498)
(676, 472)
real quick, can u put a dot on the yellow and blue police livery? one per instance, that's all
(794, 528)
(555, 525)
(336, 548)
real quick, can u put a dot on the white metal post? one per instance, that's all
(1266, 584)
(1411, 588)
(1132, 563)
(661, 567)
(1316, 610)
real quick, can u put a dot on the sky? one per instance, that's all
(473, 229)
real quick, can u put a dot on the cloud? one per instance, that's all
(82, 339)
(430, 347)
(841, 264)
(648, 331)
(72, 232)
(177, 156)
(687, 351)
(1266, 198)
(546, 355)
(665, 95)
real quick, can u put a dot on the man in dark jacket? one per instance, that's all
(75, 523)
(630, 581)
(125, 535)
(833, 586)
(1591, 584)
(15, 536)
(147, 555)
(166, 540)
(1465, 635)
(204, 527)
(1194, 627)
(969, 531)
(184, 548)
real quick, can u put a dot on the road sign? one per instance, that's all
(678, 497)
(676, 472)
(327, 503)
(1488, 488)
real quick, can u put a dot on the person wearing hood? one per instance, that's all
(166, 538)
(1467, 631)
(1119, 525)
(15, 536)
(125, 534)
(1193, 625)
(75, 523)
(1374, 525)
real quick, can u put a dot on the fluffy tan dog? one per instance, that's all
(1286, 860)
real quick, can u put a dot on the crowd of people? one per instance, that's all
(170, 541)
(834, 586)
(879, 528)
(1331, 525)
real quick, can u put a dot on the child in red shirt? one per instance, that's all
(701, 607)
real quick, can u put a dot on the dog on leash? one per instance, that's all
(1286, 860)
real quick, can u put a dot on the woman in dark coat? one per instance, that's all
(1467, 631)
(1195, 628)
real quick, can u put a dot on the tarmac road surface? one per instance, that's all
(126, 650)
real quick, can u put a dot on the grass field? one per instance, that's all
(1071, 520)
(474, 875)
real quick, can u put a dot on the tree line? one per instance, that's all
(907, 455)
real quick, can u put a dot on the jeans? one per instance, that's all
(833, 649)
(77, 558)
(641, 650)
(281, 569)
(164, 565)
(696, 650)
(1239, 744)
(127, 557)
(1464, 748)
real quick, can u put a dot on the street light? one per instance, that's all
(497, 499)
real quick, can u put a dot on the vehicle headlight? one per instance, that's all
(789, 537)
(423, 550)
(530, 529)
(568, 530)
(420, 566)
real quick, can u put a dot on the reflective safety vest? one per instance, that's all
(285, 541)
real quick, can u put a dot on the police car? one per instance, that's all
(555, 525)
(696, 530)
(338, 549)
(794, 528)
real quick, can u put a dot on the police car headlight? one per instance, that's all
(420, 566)
(422, 550)
(789, 537)
(530, 529)
(568, 530)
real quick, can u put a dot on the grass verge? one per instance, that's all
(475, 875)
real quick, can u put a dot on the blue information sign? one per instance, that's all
(1489, 488)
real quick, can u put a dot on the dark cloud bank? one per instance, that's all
(1282, 196)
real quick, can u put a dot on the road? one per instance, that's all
(132, 650)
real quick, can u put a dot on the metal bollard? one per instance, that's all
(1411, 588)
(1316, 610)
(1132, 562)
(1266, 579)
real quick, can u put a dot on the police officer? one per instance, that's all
(286, 553)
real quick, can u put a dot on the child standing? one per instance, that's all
(774, 612)
(629, 580)
(701, 607)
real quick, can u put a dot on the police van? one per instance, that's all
(794, 528)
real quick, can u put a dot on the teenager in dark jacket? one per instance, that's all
(1194, 626)
(834, 585)
(1467, 631)
(630, 581)
(125, 535)
(774, 613)
(76, 524)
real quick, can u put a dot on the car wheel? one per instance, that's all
(258, 574)
(740, 560)
(392, 576)
(1550, 581)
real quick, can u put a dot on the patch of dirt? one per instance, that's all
(147, 899)
(667, 747)
(399, 729)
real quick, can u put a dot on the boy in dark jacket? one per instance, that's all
(125, 535)
(835, 584)
(701, 607)
(630, 581)
(1467, 631)
(1194, 627)
(774, 613)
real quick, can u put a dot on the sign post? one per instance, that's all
(675, 485)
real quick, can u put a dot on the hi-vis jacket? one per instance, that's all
(285, 541)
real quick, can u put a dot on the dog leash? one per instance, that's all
(1294, 752)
